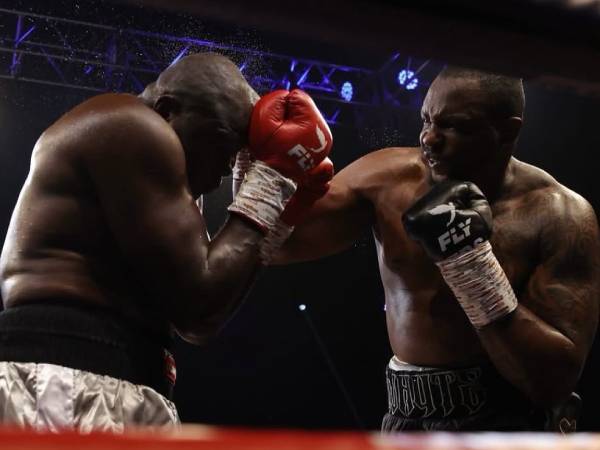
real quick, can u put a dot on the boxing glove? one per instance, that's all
(288, 133)
(288, 137)
(453, 223)
(452, 217)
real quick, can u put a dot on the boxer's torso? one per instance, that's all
(426, 325)
(58, 244)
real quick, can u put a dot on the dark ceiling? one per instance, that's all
(555, 42)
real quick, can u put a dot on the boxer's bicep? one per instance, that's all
(564, 290)
(333, 224)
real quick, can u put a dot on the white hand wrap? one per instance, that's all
(275, 239)
(263, 195)
(242, 164)
(479, 284)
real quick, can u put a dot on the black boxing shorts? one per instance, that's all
(89, 339)
(472, 398)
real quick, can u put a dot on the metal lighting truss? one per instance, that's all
(99, 58)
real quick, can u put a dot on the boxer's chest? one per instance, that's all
(515, 240)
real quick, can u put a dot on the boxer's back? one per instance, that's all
(426, 325)
(58, 244)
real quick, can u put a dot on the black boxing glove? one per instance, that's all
(453, 222)
(453, 217)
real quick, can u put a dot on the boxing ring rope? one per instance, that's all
(199, 437)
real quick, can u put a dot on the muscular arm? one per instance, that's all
(140, 178)
(335, 221)
(542, 346)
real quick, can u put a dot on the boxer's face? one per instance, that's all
(457, 138)
(210, 150)
(211, 146)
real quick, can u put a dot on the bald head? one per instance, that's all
(504, 95)
(212, 85)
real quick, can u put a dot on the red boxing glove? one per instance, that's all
(288, 133)
(312, 187)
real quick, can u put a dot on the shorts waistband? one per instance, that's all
(89, 339)
(447, 393)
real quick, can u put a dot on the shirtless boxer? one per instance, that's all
(482, 362)
(107, 251)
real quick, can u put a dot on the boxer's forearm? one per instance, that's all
(231, 266)
(232, 263)
(535, 357)
(333, 224)
(320, 236)
(298, 248)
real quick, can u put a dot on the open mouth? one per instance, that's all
(430, 160)
(434, 163)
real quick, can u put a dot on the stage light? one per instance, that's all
(412, 84)
(302, 307)
(180, 55)
(408, 79)
(347, 91)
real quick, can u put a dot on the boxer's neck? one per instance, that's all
(495, 180)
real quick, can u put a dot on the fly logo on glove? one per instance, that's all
(305, 159)
(443, 209)
(452, 235)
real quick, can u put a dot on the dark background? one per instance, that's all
(274, 365)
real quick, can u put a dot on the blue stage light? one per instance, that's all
(347, 91)
(412, 84)
(408, 79)
(180, 55)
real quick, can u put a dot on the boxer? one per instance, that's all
(490, 266)
(107, 254)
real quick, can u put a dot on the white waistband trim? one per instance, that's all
(398, 365)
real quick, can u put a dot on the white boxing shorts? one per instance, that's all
(53, 397)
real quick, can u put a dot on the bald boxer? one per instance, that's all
(107, 253)
(490, 266)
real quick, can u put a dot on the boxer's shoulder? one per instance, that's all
(538, 189)
(117, 129)
(385, 167)
(396, 160)
(108, 118)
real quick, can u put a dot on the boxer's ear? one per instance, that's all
(167, 106)
(509, 129)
